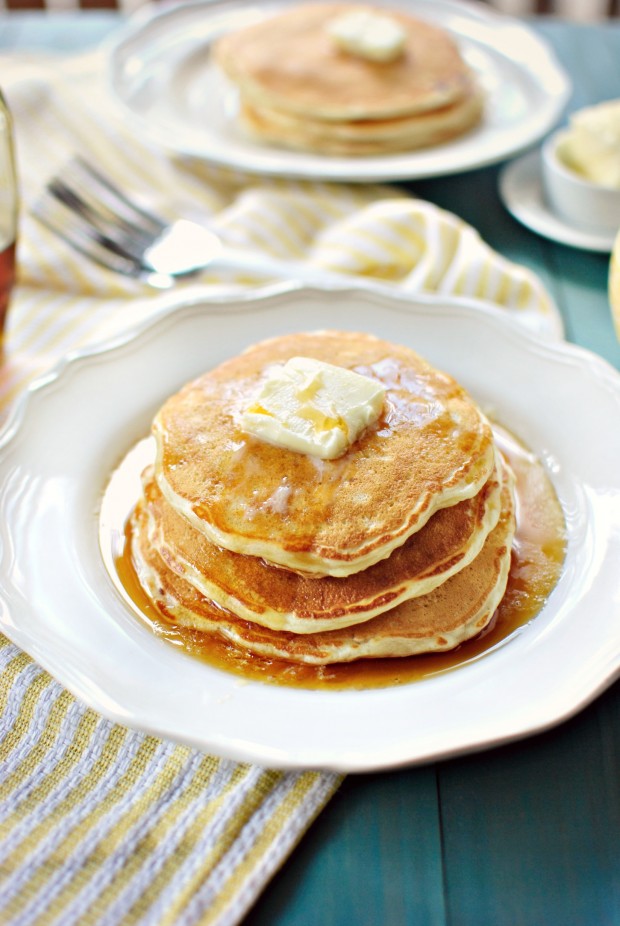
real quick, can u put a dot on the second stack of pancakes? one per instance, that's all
(300, 88)
(399, 546)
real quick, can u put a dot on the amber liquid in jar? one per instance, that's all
(537, 558)
(7, 280)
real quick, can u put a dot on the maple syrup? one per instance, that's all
(537, 558)
(7, 280)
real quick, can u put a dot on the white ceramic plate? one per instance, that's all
(161, 74)
(521, 190)
(59, 603)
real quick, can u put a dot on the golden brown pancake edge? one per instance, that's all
(431, 448)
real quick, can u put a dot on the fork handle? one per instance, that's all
(297, 271)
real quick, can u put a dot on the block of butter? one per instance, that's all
(592, 143)
(367, 34)
(313, 407)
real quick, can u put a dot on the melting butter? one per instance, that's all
(367, 34)
(313, 407)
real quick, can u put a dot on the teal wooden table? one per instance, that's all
(523, 835)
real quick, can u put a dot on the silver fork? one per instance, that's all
(95, 217)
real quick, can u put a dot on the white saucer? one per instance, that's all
(521, 190)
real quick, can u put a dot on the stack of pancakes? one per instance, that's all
(399, 546)
(300, 89)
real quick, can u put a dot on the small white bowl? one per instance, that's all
(576, 200)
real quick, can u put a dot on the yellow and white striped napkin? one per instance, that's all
(99, 824)
(103, 825)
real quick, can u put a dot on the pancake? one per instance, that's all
(431, 448)
(284, 600)
(455, 611)
(290, 63)
(301, 89)
(363, 136)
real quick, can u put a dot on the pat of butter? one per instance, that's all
(313, 407)
(368, 35)
(592, 144)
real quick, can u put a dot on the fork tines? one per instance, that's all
(96, 218)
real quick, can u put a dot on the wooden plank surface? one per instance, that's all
(524, 835)
(542, 815)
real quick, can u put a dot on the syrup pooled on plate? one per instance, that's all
(537, 558)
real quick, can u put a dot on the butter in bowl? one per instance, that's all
(581, 169)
